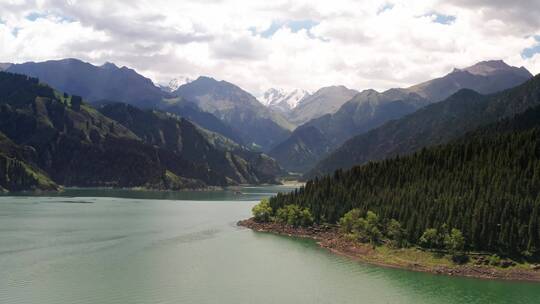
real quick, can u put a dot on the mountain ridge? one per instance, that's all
(256, 124)
(434, 124)
(326, 100)
(67, 141)
(484, 183)
(283, 101)
(370, 109)
(92, 82)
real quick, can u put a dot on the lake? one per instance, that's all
(122, 246)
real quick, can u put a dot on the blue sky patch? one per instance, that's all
(385, 7)
(294, 25)
(444, 19)
(15, 31)
(35, 15)
(529, 52)
(297, 25)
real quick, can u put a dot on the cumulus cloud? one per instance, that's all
(259, 44)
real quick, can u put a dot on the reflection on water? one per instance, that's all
(120, 246)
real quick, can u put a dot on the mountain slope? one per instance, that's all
(484, 77)
(4, 66)
(371, 109)
(283, 101)
(214, 154)
(94, 83)
(486, 184)
(326, 100)
(302, 149)
(255, 124)
(17, 173)
(434, 124)
(367, 110)
(75, 145)
(203, 119)
(175, 83)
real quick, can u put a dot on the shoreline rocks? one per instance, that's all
(328, 237)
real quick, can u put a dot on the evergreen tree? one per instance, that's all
(485, 185)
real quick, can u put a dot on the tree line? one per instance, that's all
(485, 185)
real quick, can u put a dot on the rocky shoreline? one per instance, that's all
(329, 238)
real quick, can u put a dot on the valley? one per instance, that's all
(307, 151)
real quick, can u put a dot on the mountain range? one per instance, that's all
(326, 100)
(484, 183)
(283, 101)
(222, 157)
(4, 66)
(50, 138)
(175, 83)
(257, 126)
(299, 106)
(94, 83)
(432, 125)
(370, 109)
(296, 128)
(484, 77)
(234, 107)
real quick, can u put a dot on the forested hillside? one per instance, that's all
(17, 173)
(220, 160)
(435, 124)
(94, 83)
(51, 138)
(370, 109)
(485, 184)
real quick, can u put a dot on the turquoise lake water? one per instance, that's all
(122, 246)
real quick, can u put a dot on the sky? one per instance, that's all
(259, 44)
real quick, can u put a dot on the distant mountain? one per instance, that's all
(485, 183)
(214, 154)
(326, 100)
(4, 66)
(371, 109)
(256, 125)
(102, 84)
(367, 110)
(94, 83)
(283, 101)
(435, 124)
(175, 83)
(484, 77)
(302, 149)
(52, 138)
(203, 119)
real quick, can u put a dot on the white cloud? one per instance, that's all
(361, 44)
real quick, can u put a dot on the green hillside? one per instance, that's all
(485, 184)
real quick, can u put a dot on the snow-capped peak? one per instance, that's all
(175, 83)
(283, 98)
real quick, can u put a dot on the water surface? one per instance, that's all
(120, 246)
